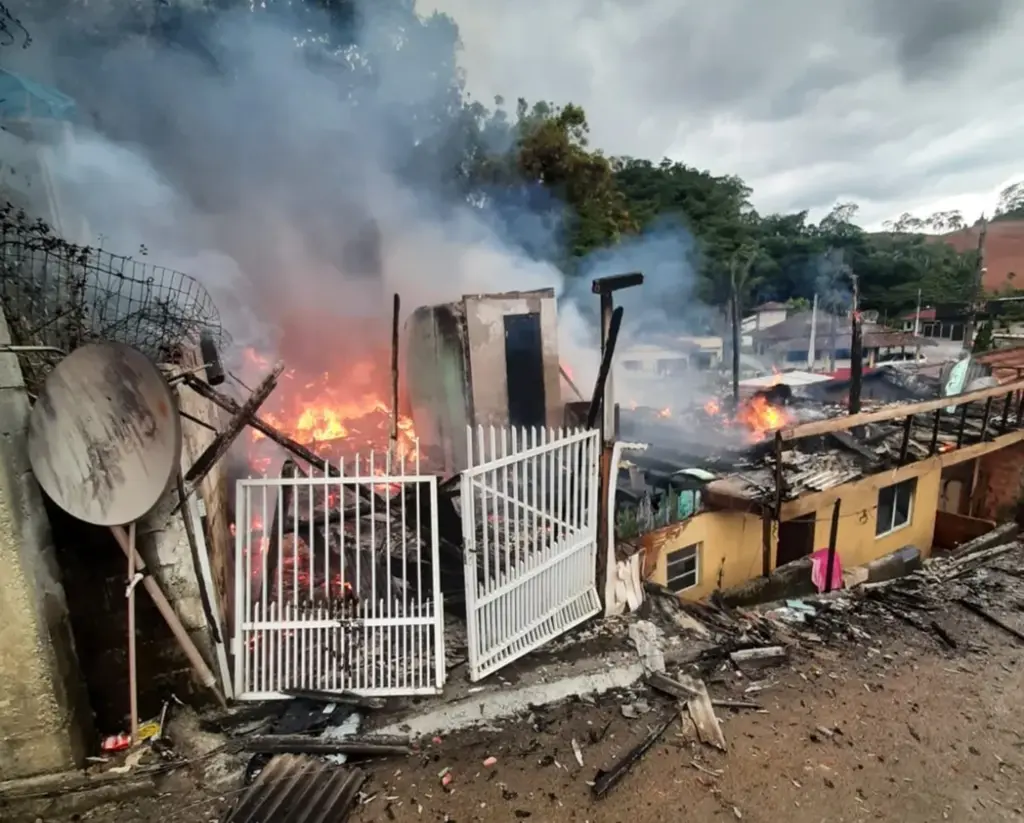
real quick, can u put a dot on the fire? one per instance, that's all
(665, 412)
(761, 417)
(757, 415)
(334, 414)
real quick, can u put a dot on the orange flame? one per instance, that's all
(757, 415)
(761, 417)
(665, 412)
(343, 414)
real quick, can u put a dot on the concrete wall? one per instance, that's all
(44, 719)
(731, 542)
(435, 369)
(485, 331)
(856, 543)
(730, 550)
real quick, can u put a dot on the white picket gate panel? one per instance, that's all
(529, 523)
(337, 584)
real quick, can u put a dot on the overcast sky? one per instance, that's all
(898, 105)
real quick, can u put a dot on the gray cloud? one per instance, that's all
(892, 104)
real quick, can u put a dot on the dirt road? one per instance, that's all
(893, 730)
(903, 734)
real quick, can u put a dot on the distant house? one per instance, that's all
(789, 343)
(763, 317)
(930, 323)
(671, 357)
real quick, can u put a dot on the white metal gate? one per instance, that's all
(529, 525)
(337, 585)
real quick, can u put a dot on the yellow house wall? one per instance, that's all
(856, 542)
(731, 541)
(730, 549)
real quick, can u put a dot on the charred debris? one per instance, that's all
(688, 450)
(732, 658)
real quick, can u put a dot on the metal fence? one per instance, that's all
(529, 522)
(56, 294)
(337, 584)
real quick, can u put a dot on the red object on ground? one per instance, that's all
(116, 742)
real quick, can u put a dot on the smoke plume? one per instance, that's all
(290, 178)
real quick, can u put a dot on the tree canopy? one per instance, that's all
(538, 156)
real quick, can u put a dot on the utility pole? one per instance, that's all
(856, 349)
(917, 317)
(975, 290)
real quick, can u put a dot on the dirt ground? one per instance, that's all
(896, 729)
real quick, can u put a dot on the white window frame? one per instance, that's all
(697, 549)
(910, 483)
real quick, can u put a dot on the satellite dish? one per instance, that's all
(104, 437)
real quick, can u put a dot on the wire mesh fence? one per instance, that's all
(58, 295)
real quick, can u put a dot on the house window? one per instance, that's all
(631, 365)
(683, 568)
(895, 506)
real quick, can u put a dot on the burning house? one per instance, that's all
(787, 477)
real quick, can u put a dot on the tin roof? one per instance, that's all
(1006, 364)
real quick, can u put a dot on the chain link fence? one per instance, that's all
(59, 296)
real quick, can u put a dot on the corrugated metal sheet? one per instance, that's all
(299, 789)
(1006, 364)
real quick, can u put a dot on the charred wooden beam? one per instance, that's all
(1006, 412)
(222, 442)
(935, 432)
(778, 474)
(766, 542)
(985, 419)
(605, 369)
(894, 412)
(960, 427)
(833, 537)
(908, 424)
(284, 441)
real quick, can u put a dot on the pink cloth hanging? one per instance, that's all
(819, 570)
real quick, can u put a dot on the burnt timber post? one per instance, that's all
(604, 287)
(833, 537)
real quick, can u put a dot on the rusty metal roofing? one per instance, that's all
(1006, 364)
(299, 789)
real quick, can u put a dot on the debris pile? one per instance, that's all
(308, 741)
(982, 579)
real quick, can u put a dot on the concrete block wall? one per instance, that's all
(1001, 484)
(44, 718)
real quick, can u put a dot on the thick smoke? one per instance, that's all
(245, 163)
(258, 177)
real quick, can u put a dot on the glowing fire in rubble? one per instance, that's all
(758, 415)
(336, 414)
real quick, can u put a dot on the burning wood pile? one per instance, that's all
(757, 417)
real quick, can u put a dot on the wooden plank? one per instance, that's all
(894, 412)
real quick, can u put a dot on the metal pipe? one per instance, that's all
(206, 677)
